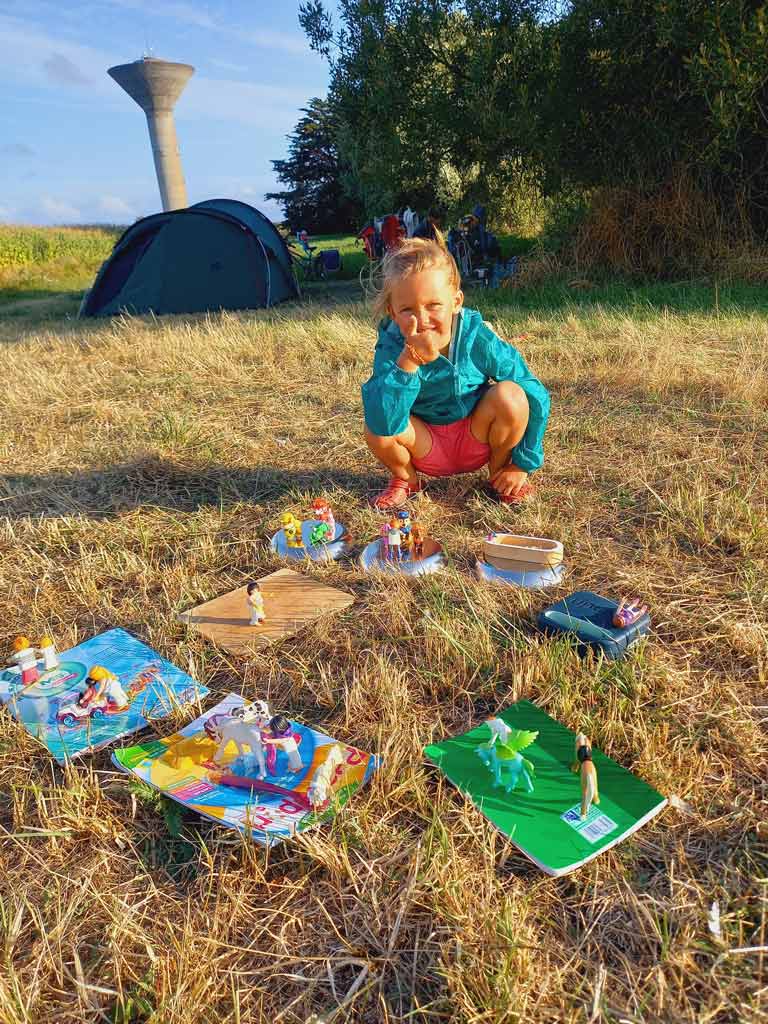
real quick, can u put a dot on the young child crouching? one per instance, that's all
(446, 395)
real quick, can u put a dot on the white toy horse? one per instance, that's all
(319, 791)
(243, 728)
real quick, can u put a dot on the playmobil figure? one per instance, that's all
(394, 540)
(25, 656)
(502, 751)
(321, 533)
(629, 611)
(322, 510)
(384, 541)
(47, 651)
(292, 530)
(255, 600)
(319, 791)
(586, 768)
(282, 737)
(417, 539)
(101, 683)
(243, 728)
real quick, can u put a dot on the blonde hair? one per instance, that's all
(412, 256)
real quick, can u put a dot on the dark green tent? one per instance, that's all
(219, 254)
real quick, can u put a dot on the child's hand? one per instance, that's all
(508, 480)
(420, 348)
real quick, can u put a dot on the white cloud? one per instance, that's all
(18, 150)
(59, 210)
(117, 209)
(61, 70)
(286, 42)
(226, 66)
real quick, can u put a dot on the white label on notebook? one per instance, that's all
(594, 827)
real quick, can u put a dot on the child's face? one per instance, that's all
(428, 298)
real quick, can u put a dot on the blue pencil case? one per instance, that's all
(590, 618)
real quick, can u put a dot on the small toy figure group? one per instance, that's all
(25, 656)
(401, 537)
(254, 728)
(322, 532)
(102, 686)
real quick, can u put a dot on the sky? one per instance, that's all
(74, 147)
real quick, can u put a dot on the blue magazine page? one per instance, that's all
(55, 705)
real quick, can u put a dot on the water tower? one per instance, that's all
(156, 85)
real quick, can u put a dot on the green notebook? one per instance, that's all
(546, 824)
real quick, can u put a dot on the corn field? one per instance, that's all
(21, 245)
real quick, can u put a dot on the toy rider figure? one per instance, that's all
(102, 683)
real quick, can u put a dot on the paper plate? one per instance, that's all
(318, 552)
(433, 560)
(547, 576)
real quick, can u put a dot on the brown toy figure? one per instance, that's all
(584, 765)
(417, 539)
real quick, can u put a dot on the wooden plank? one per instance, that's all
(291, 601)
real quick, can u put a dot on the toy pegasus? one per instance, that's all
(583, 764)
(502, 751)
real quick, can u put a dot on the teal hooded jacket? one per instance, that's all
(447, 390)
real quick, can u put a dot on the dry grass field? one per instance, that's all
(143, 464)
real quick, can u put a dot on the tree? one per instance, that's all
(316, 199)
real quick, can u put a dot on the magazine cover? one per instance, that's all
(85, 698)
(243, 767)
(561, 801)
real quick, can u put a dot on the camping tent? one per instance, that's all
(219, 254)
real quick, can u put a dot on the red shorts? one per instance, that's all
(454, 450)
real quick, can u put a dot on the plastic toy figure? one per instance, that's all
(320, 533)
(394, 540)
(107, 685)
(292, 530)
(282, 738)
(628, 612)
(321, 786)
(588, 773)
(255, 601)
(384, 541)
(47, 651)
(25, 656)
(243, 728)
(502, 751)
(322, 510)
(417, 539)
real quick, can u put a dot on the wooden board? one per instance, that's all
(290, 602)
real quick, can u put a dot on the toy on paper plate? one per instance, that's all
(213, 767)
(551, 828)
(291, 600)
(590, 618)
(502, 751)
(404, 547)
(255, 601)
(103, 689)
(533, 562)
(319, 538)
(585, 766)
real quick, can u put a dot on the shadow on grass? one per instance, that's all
(160, 483)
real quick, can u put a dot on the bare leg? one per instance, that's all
(396, 453)
(500, 420)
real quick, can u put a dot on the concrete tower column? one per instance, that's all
(156, 85)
